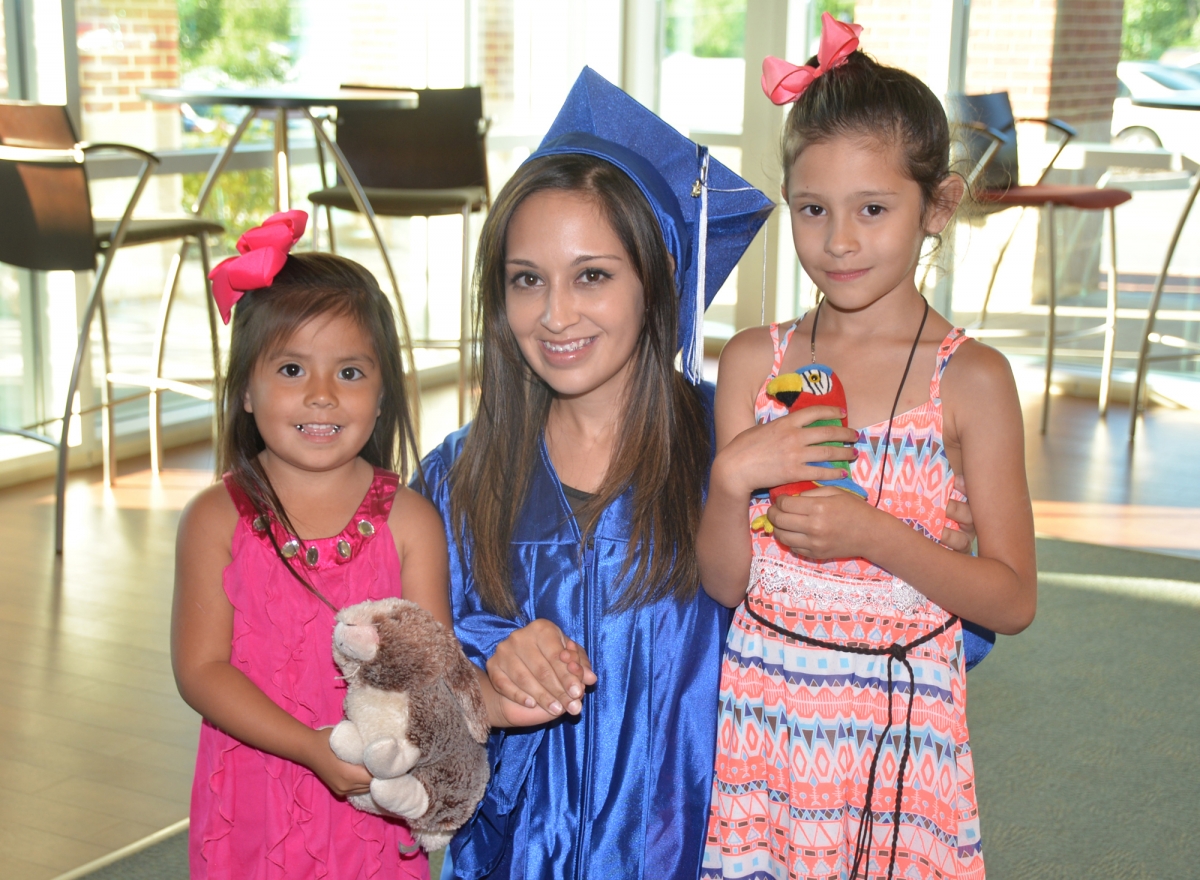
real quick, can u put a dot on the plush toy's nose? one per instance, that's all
(357, 641)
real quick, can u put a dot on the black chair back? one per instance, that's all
(994, 111)
(438, 145)
(46, 221)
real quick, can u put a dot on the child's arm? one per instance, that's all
(751, 457)
(997, 589)
(424, 573)
(201, 641)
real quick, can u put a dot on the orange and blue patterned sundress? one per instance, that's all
(806, 733)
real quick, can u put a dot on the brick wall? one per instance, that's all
(896, 32)
(496, 39)
(1011, 48)
(1054, 57)
(1087, 47)
(124, 46)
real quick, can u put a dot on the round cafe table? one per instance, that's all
(276, 102)
(1185, 101)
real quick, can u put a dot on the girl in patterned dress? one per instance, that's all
(842, 747)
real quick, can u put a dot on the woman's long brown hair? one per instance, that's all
(663, 445)
(309, 286)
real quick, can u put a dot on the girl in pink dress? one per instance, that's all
(842, 742)
(310, 518)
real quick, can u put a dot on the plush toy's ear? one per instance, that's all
(464, 685)
(356, 641)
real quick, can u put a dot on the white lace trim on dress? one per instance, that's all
(881, 595)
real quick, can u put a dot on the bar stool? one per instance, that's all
(988, 121)
(423, 162)
(1183, 348)
(47, 225)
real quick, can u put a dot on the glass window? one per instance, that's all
(703, 73)
(1085, 90)
(701, 92)
(12, 362)
(124, 47)
(3, 56)
(524, 53)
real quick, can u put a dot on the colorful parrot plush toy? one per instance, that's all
(814, 385)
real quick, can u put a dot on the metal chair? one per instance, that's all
(987, 122)
(47, 225)
(1184, 349)
(424, 162)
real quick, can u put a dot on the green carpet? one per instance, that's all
(165, 860)
(1084, 728)
(168, 860)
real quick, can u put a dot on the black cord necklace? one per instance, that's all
(887, 438)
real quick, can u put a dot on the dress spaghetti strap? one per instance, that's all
(950, 344)
(779, 346)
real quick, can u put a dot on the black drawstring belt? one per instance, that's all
(897, 652)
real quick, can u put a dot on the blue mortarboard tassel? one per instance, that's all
(708, 214)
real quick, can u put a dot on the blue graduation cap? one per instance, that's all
(708, 214)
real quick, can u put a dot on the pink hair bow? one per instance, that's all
(263, 250)
(784, 82)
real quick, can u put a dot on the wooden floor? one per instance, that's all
(1089, 485)
(95, 744)
(96, 748)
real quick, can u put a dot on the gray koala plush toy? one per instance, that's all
(414, 717)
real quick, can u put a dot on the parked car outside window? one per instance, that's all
(1148, 127)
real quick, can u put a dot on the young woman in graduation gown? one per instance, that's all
(572, 501)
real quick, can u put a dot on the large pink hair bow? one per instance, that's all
(784, 82)
(263, 250)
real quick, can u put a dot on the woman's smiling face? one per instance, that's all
(573, 300)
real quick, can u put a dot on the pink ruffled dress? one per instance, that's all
(255, 815)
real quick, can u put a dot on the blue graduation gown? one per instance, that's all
(622, 790)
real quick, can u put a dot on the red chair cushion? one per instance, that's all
(1086, 198)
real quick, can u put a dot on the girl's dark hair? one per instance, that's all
(663, 445)
(863, 98)
(309, 286)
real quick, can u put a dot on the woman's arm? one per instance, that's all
(751, 457)
(424, 565)
(997, 589)
(201, 642)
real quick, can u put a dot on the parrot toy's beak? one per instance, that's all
(786, 388)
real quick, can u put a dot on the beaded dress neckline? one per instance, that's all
(322, 553)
